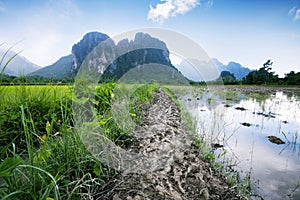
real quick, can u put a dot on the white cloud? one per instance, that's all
(170, 8)
(297, 15)
(292, 10)
(295, 11)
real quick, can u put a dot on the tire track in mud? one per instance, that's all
(168, 165)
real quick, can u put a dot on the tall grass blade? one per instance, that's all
(11, 194)
(10, 59)
(56, 191)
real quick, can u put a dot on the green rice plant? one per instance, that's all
(104, 94)
(42, 103)
(41, 155)
(138, 98)
(54, 160)
(141, 98)
(36, 179)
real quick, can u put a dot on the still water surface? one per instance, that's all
(242, 122)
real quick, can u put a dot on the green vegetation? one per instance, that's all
(32, 80)
(228, 78)
(264, 76)
(292, 78)
(42, 156)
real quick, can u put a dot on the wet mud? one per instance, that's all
(170, 164)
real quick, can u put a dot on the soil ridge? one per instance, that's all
(170, 166)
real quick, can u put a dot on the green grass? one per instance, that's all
(42, 155)
(40, 104)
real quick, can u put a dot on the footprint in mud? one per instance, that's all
(275, 140)
(168, 164)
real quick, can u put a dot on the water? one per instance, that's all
(244, 133)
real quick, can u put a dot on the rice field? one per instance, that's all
(42, 155)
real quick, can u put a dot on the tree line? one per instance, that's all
(36, 80)
(262, 76)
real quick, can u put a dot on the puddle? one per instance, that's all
(260, 131)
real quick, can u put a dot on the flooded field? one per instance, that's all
(257, 131)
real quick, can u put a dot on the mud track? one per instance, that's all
(170, 166)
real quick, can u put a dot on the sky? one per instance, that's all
(245, 31)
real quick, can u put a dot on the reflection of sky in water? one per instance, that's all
(275, 167)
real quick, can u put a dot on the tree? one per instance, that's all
(228, 78)
(292, 78)
(262, 76)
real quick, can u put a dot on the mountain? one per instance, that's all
(84, 47)
(60, 69)
(113, 60)
(68, 65)
(136, 55)
(194, 74)
(235, 68)
(190, 71)
(19, 65)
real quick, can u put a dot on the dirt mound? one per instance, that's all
(170, 166)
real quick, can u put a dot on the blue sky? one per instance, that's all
(245, 31)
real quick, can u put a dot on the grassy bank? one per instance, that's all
(224, 166)
(42, 156)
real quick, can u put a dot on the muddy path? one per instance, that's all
(170, 166)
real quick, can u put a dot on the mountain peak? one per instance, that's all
(96, 36)
(17, 66)
(81, 49)
(216, 61)
(233, 67)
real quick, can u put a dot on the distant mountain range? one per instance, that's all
(192, 74)
(18, 66)
(60, 69)
(69, 65)
(235, 68)
(133, 57)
